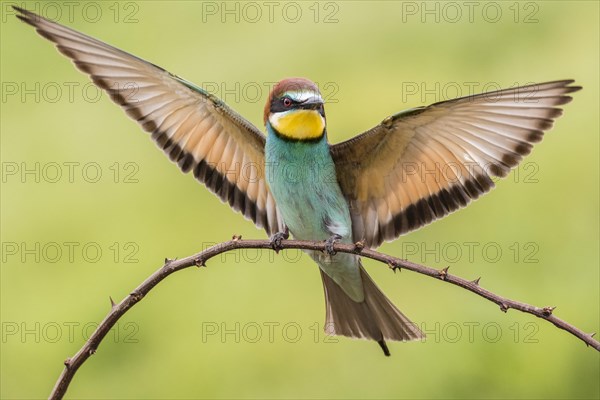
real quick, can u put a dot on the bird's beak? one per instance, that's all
(314, 103)
(311, 105)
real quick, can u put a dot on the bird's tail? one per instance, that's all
(375, 318)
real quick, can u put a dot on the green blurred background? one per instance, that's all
(371, 59)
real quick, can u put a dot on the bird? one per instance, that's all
(413, 168)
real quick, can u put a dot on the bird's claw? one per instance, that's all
(329, 244)
(278, 237)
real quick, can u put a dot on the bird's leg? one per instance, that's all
(330, 242)
(278, 237)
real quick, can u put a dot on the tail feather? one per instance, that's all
(375, 318)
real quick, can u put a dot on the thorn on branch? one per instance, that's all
(504, 307)
(359, 246)
(591, 335)
(547, 311)
(236, 238)
(112, 303)
(199, 262)
(476, 281)
(443, 274)
(393, 266)
(67, 362)
(168, 262)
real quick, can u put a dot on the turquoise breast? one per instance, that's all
(302, 178)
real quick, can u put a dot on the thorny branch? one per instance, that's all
(170, 266)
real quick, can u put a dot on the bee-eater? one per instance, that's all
(411, 169)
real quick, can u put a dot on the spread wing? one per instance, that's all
(422, 164)
(195, 129)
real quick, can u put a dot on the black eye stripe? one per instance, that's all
(278, 106)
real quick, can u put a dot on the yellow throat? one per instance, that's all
(298, 124)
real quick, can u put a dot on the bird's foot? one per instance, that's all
(330, 242)
(278, 237)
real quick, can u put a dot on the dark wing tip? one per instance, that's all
(24, 19)
(25, 15)
(566, 85)
(20, 9)
(564, 82)
(556, 83)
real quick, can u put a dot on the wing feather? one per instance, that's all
(424, 163)
(194, 129)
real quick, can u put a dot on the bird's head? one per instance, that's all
(295, 111)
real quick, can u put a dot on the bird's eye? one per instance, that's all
(287, 102)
